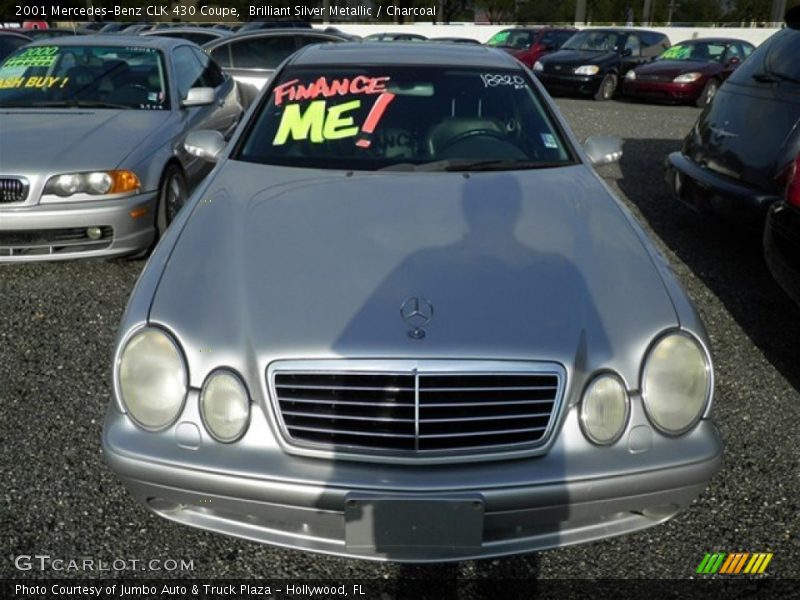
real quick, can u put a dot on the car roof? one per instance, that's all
(170, 30)
(14, 33)
(139, 41)
(266, 33)
(404, 53)
(718, 40)
(624, 30)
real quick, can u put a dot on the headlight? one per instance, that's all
(224, 406)
(96, 183)
(604, 409)
(687, 78)
(676, 383)
(152, 378)
(537, 66)
(630, 75)
(587, 70)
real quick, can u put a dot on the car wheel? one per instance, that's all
(607, 87)
(708, 93)
(171, 197)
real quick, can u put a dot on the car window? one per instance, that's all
(733, 52)
(747, 49)
(632, 45)
(222, 55)
(262, 52)
(115, 76)
(212, 75)
(188, 70)
(653, 43)
(774, 60)
(519, 39)
(10, 43)
(548, 39)
(369, 118)
(563, 36)
(594, 41)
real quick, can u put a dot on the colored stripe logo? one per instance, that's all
(734, 563)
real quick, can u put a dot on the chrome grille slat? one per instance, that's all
(486, 418)
(13, 190)
(419, 410)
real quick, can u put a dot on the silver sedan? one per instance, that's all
(404, 319)
(92, 162)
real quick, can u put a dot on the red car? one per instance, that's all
(528, 44)
(691, 71)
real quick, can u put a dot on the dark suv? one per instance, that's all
(593, 61)
(529, 44)
(738, 156)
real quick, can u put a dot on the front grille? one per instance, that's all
(13, 189)
(53, 241)
(657, 78)
(417, 412)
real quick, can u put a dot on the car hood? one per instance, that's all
(576, 58)
(35, 140)
(277, 263)
(673, 68)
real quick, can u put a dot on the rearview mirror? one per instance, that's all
(199, 96)
(603, 149)
(207, 144)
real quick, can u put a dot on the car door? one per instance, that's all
(189, 73)
(631, 54)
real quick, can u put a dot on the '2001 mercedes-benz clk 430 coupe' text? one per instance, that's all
(404, 319)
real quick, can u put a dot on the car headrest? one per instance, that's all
(441, 133)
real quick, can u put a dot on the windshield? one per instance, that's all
(368, 118)
(511, 38)
(110, 76)
(698, 52)
(594, 41)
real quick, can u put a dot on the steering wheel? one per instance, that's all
(489, 133)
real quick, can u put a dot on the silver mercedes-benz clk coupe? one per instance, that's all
(404, 319)
(92, 162)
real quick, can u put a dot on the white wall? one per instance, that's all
(483, 32)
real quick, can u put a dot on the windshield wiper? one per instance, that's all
(503, 165)
(94, 104)
(773, 77)
(63, 104)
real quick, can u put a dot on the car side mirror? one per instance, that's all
(603, 149)
(199, 96)
(207, 144)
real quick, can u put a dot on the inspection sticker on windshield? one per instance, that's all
(38, 56)
(497, 79)
(549, 140)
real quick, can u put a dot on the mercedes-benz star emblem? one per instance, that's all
(417, 312)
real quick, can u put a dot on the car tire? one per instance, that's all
(607, 87)
(708, 93)
(172, 196)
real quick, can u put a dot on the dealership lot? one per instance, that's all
(57, 327)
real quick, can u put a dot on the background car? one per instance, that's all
(455, 40)
(691, 71)
(398, 36)
(52, 32)
(281, 373)
(529, 44)
(734, 160)
(91, 161)
(10, 41)
(198, 35)
(593, 61)
(273, 24)
(251, 58)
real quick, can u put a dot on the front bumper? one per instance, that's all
(254, 490)
(709, 192)
(663, 90)
(782, 247)
(53, 231)
(584, 85)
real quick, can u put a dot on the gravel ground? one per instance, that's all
(57, 327)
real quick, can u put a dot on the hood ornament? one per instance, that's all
(417, 312)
